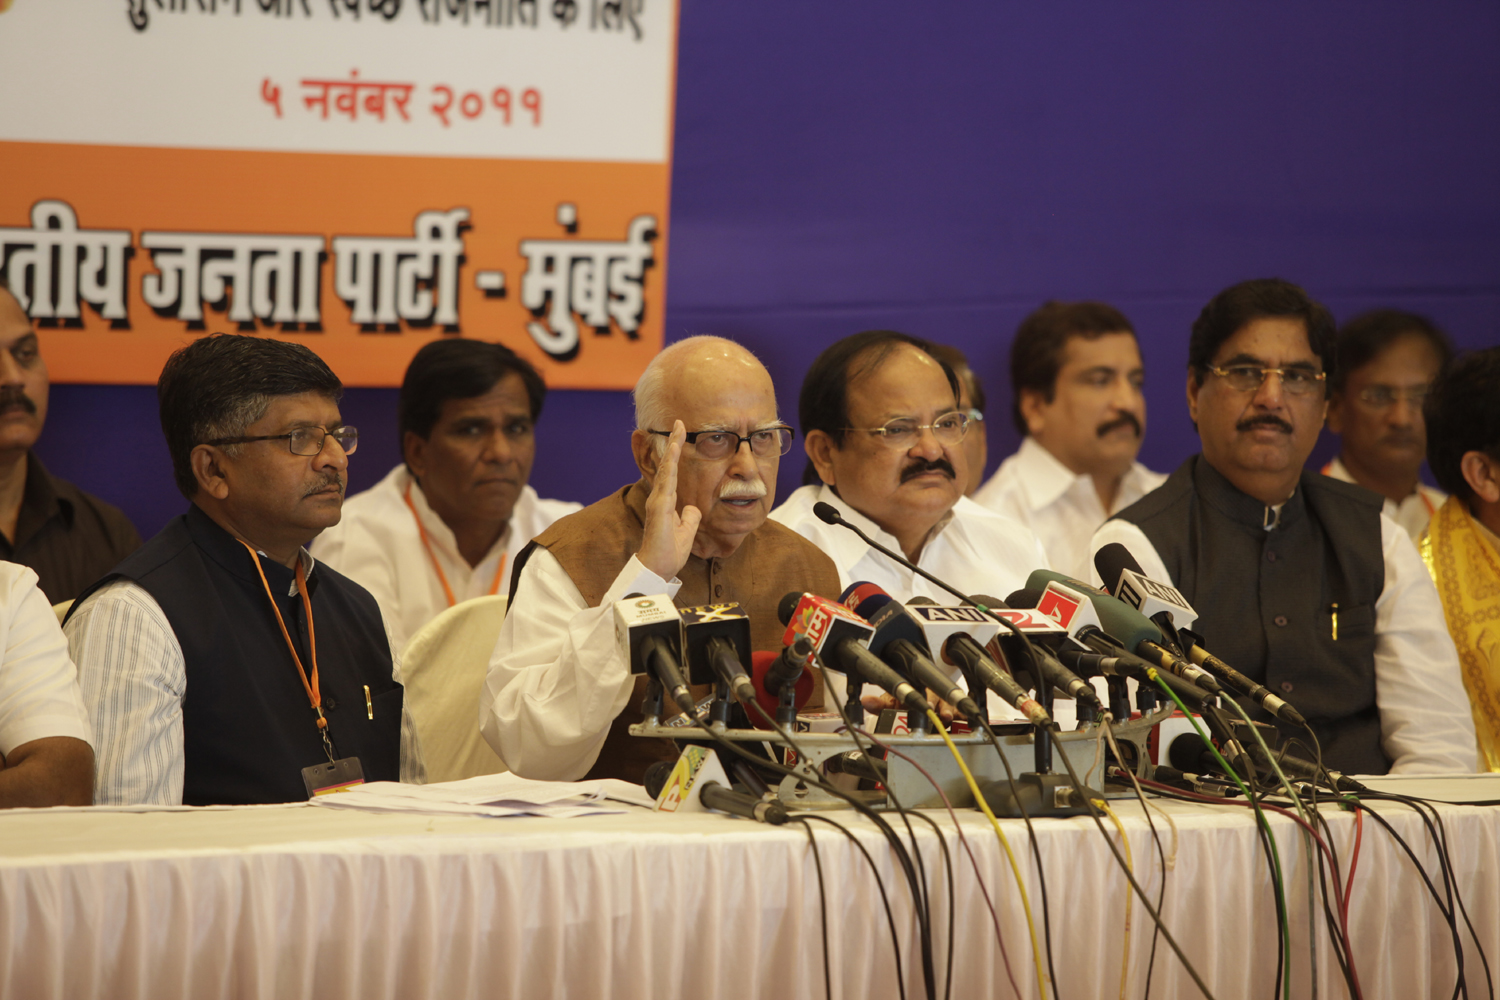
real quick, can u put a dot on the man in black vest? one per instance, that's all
(220, 664)
(1299, 580)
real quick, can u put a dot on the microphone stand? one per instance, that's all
(1043, 792)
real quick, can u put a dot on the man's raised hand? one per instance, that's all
(669, 535)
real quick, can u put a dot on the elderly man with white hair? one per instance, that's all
(708, 441)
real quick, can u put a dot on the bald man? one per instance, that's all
(708, 442)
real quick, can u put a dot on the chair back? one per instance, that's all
(61, 610)
(443, 669)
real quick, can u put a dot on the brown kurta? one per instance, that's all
(594, 544)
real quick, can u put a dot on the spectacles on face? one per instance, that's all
(1248, 378)
(903, 432)
(768, 442)
(304, 441)
(1383, 397)
(975, 417)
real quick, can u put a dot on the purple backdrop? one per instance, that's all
(882, 164)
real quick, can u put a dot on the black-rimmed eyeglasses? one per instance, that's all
(768, 442)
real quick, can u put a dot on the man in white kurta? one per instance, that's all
(1076, 375)
(446, 525)
(378, 544)
(46, 741)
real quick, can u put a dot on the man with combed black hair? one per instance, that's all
(1462, 544)
(884, 434)
(1299, 580)
(1076, 375)
(67, 536)
(708, 441)
(446, 524)
(1387, 359)
(220, 661)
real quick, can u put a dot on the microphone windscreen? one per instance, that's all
(826, 512)
(864, 598)
(1026, 597)
(788, 607)
(1187, 752)
(989, 602)
(760, 663)
(1111, 561)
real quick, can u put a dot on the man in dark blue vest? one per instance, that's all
(1299, 580)
(219, 662)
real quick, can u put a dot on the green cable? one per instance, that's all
(1307, 846)
(1260, 816)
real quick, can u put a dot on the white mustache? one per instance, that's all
(743, 489)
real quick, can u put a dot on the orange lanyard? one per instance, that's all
(314, 694)
(427, 544)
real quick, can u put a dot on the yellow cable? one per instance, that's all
(1125, 963)
(1036, 948)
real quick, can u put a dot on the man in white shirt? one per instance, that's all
(46, 742)
(884, 439)
(446, 525)
(1387, 361)
(560, 696)
(1076, 373)
(1299, 581)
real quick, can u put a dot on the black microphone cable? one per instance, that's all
(920, 898)
(968, 850)
(902, 856)
(1161, 854)
(812, 842)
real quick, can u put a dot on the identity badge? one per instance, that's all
(339, 776)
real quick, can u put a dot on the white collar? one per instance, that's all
(849, 548)
(1044, 477)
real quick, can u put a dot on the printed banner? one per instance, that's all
(360, 176)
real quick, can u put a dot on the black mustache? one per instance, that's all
(1123, 420)
(922, 465)
(1265, 420)
(14, 395)
(324, 483)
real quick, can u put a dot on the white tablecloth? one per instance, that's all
(291, 902)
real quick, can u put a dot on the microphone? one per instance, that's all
(822, 622)
(899, 635)
(716, 796)
(1135, 589)
(1188, 752)
(829, 514)
(1256, 692)
(963, 646)
(779, 675)
(1053, 671)
(1162, 604)
(840, 637)
(1305, 769)
(1129, 627)
(717, 640)
(649, 632)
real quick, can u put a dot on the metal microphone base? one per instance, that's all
(1042, 795)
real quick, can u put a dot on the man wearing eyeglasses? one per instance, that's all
(1387, 360)
(708, 441)
(884, 439)
(220, 663)
(1299, 580)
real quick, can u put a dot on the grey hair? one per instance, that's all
(650, 409)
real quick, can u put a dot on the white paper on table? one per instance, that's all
(503, 794)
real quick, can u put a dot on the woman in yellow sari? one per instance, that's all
(1461, 546)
